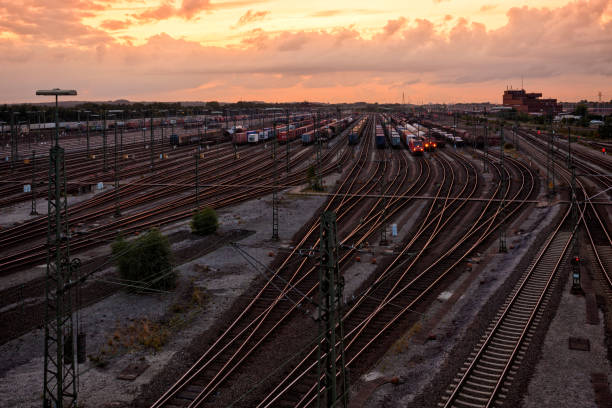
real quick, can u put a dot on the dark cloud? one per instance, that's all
(251, 16)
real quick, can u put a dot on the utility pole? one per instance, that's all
(485, 156)
(197, 178)
(550, 166)
(274, 188)
(105, 166)
(318, 176)
(60, 377)
(569, 148)
(87, 133)
(287, 111)
(503, 246)
(152, 141)
(117, 199)
(33, 188)
(576, 286)
(14, 147)
(332, 390)
(144, 130)
(383, 230)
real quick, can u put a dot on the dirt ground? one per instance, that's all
(418, 356)
(562, 377)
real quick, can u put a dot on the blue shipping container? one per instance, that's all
(380, 141)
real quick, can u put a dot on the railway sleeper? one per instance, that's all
(493, 360)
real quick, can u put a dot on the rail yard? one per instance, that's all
(362, 259)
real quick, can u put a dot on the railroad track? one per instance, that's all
(213, 368)
(375, 313)
(485, 377)
(172, 210)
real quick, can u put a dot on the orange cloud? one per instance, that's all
(114, 25)
(459, 61)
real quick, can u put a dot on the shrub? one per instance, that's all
(311, 176)
(204, 222)
(146, 262)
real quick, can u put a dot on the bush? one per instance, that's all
(311, 176)
(146, 262)
(204, 222)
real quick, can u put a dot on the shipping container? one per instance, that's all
(307, 138)
(253, 137)
(239, 138)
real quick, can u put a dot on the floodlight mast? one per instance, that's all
(56, 92)
(60, 375)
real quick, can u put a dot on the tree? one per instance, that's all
(605, 130)
(581, 110)
(145, 262)
(213, 105)
(204, 222)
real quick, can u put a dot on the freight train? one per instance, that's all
(380, 137)
(355, 132)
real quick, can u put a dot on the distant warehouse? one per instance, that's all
(530, 102)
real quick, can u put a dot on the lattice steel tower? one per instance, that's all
(332, 389)
(274, 188)
(503, 247)
(60, 377)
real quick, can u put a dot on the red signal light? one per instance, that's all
(603, 149)
(538, 132)
(576, 260)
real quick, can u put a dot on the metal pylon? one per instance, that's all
(152, 141)
(274, 189)
(576, 285)
(333, 387)
(60, 387)
(485, 156)
(288, 166)
(318, 177)
(383, 229)
(503, 246)
(550, 166)
(33, 187)
(14, 138)
(105, 165)
(116, 174)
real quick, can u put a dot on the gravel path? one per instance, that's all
(562, 377)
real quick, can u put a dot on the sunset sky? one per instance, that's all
(286, 50)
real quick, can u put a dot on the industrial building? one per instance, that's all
(530, 103)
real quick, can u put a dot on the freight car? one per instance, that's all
(395, 139)
(380, 137)
(355, 133)
(252, 137)
(213, 135)
(307, 138)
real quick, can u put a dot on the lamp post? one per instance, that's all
(60, 381)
